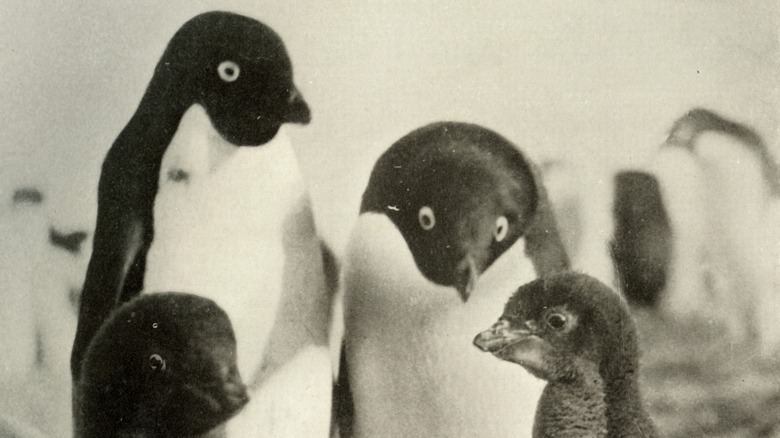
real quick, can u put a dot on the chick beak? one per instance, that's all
(466, 277)
(499, 336)
(297, 108)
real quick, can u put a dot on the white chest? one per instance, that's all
(219, 220)
(413, 368)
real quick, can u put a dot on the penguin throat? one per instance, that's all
(198, 148)
(624, 404)
(574, 408)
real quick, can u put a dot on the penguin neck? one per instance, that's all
(625, 412)
(573, 408)
(155, 122)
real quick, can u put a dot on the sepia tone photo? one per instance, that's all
(390, 219)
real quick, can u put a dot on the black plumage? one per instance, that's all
(70, 242)
(238, 70)
(576, 333)
(453, 168)
(642, 241)
(163, 365)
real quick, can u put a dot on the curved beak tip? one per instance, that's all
(298, 109)
(480, 341)
(466, 279)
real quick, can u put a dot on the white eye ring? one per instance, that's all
(427, 218)
(502, 228)
(156, 362)
(228, 71)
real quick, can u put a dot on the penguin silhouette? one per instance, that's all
(201, 193)
(453, 214)
(163, 365)
(726, 239)
(577, 334)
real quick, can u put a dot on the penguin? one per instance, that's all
(581, 195)
(642, 240)
(453, 216)
(202, 193)
(70, 242)
(727, 267)
(162, 365)
(22, 225)
(29, 195)
(577, 334)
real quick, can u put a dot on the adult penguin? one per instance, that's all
(446, 204)
(728, 268)
(201, 193)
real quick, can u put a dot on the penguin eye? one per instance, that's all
(427, 218)
(156, 362)
(557, 320)
(502, 228)
(228, 71)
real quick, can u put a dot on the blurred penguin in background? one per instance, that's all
(454, 217)
(581, 196)
(727, 243)
(201, 192)
(642, 241)
(45, 255)
(22, 225)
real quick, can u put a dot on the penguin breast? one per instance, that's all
(409, 344)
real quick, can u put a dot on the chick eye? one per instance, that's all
(228, 71)
(502, 228)
(557, 320)
(427, 218)
(156, 362)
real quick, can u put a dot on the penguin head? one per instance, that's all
(560, 326)
(169, 361)
(239, 70)
(459, 194)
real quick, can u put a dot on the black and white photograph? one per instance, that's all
(390, 218)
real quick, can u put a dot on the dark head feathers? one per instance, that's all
(687, 129)
(461, 194)
(238, 69)
(27, 195)
(163, 364)
(70, 242)
(575, 332)
(604, 329)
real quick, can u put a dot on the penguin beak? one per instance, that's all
(297, 108)
(499, 336)
(517, 345)
(466, 277)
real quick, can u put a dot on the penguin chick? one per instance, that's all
(577, 334)
(453, 217)
(163, 365)
(237, 71)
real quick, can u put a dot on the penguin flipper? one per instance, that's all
(343, 406)
(114, 274)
